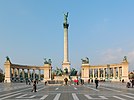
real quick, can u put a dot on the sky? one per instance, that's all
(102, 30)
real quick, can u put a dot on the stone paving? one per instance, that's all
(106, 90)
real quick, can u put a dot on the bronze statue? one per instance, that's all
(65, 17)
(73, 72)
(7, 58)
(58, 72)
(125, 58)
(47, 62)
(85, 61)
(66, 71)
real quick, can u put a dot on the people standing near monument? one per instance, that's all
(96, 82)
(65, 81)
(132, 81)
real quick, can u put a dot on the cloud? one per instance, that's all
(116, 56)
(112, 55)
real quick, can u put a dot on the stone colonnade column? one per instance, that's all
(23, 74)
(13, 72)
(93, 73)
(39, 74)
(118, 72)
(104, 73)
(33, 74)
(18, 73)
(114, 72)
(98, 73)
(28, 72)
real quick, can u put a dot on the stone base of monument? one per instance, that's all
(60, 79)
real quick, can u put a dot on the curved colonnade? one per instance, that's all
(13, 71)
(110, 72)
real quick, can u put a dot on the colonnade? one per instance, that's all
(20, 73)
(15, 71)
(112, 72)
(103, 73)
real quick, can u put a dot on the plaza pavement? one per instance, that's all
(106, 90)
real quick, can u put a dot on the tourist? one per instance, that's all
(128, 85)
(132, 81)
(77, 81)
(65, 81)
(26, 81)
(96, 82)
(34, 87)
(81, 82)
(88, 81)
(45, 83)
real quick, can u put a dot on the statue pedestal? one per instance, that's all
(61, 78)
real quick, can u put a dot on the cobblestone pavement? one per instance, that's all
(70, 92)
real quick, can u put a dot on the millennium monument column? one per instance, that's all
(66, 63)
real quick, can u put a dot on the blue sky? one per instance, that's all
(102, 30)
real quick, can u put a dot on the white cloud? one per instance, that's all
(116, 56)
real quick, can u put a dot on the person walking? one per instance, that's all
(88, 81)
(34, 87)
(132, 82)
(96, 82)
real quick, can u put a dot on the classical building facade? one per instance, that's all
(110, 72)
(13, 71)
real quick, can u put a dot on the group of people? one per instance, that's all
(131, 83)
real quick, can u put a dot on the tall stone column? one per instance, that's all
(114, 72)
(118, 72)
(33, 74)
(39, 74)
(18, 73)
(66, 63)
(98, 73)
(28, 72)
(93, 73)
(23, 74)
(13, 72)
(104, 71)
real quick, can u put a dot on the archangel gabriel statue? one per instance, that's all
(65, 17)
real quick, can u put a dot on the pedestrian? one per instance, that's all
(65, 81)
(96, 82)
(92, 80)
(45, 83)
(81, 81)
(29, 81)
(34, 87)
(128, 85)
(77, 81)
(88, 81)
(132, 81)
